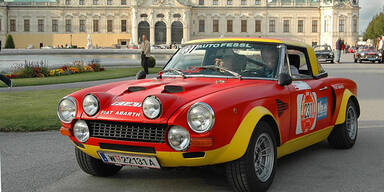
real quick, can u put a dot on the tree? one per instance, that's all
(375, 27)
(9, 44)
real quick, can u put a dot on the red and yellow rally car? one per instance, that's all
(242, 102)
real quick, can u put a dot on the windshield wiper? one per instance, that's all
(220, 68)
(178, 71)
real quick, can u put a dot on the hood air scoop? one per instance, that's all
(173, 89)
(135, 88)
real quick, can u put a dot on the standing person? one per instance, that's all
(380, 48)
(145, 50)
(338, 50)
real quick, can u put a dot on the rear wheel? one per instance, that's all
(94, 166)
(344, 136)
(256, 169)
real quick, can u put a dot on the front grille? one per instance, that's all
(154, 133)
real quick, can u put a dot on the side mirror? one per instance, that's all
(284, 79)
(141, 75)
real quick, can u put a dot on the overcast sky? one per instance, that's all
(369, 8)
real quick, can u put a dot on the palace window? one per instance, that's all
(325, 25)
(55, 25)
(109, 26)
(26, 25)
(354, 25)
(40, 25)
(123, 25)
(176, 15)
(215, 25)
(144, 15)
(109, 2)
(229, 26)
(215, 2)
(68, 25)
(95, 25)
(81, 2)
(341, 25)
(257, 2)
(229, 2)
(123, 2)
(201, 2)
(244, 26)
(67, 2)
(300, 26)
(201, 26)
(95, 2)
(12, 25)
(314, 26)
(82, 25)
(160, 15)
(272, 26)
(286, 26)
(243, 2)
(258, 26)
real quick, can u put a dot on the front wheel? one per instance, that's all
(256, 169)
(344, 136)
(95, 167)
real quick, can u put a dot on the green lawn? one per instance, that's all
(90, 76)
(30, 110)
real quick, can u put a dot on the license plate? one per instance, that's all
(131, 160)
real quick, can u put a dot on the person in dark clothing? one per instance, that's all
(338, 49)
(6, 80)
(145, 50)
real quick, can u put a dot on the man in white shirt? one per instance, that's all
(380, 48)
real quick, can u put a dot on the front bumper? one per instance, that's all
(169, 159)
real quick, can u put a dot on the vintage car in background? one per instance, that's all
(367, 54)
(238, 102)
(324, 53)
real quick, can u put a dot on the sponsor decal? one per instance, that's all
(322, 108)
(122, 113)
(224, 45)
(338, 86)
(306, 112)
(126, 104)
(300, 85)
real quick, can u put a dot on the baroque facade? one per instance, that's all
(122, 22)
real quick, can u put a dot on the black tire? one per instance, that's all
(332, 61)
(95, 167)
(341, 136)
(373, 61)
(241, 173)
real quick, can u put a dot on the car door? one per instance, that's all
(309, 97)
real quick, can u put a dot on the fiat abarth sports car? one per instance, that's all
(242, 103)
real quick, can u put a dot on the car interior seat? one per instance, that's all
(294, 60)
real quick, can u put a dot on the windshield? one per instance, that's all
(229, 59)
(322, 48)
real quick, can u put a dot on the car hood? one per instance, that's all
(323, 52)
(123, 101)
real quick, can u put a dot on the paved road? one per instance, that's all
(44, 161)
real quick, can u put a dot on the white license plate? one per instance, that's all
(127, 159)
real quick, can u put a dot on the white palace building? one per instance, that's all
(122, 22)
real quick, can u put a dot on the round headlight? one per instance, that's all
(152, 107)
(90, 105)
(67, 109)
(178, 138)
(362, 54)
(200, 117)
(81, 131)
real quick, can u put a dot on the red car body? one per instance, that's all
(299, 114)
